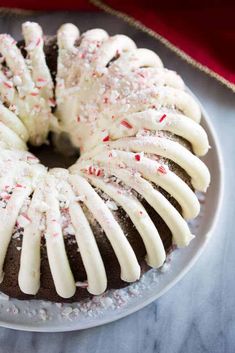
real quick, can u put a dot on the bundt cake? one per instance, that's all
(67, 234)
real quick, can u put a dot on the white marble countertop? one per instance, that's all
(198, 314)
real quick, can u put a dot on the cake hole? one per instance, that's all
(57, 153)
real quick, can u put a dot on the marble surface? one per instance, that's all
(198, 314)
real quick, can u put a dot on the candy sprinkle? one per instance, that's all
(98, 173)
(106, 138)
(8, 84)
(126, 124)
(34, 94)
(32, 158)
(162, 118)
(52, 102)
(41, 79)
(81, 284)
(161, 170)
(141, 74)
(38, 41)
(26, 216)
(5, 197)
(137, 157)
(94, 171)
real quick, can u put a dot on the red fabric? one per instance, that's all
(203, 29)
(81, 5)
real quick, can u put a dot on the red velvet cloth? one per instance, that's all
(203, 29)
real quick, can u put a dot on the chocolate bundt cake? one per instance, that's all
(67, 234)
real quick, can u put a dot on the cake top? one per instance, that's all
(132, 120)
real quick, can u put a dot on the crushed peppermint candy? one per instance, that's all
(52, 102)
(138, 157)
(94, 171)
(38, 42)
(67, 311)
(162, 170)
(43, 314)
(81, 284)
(162, 118)
(41, 82)
(34, 93)
(5, 196)
(8, 84)
(23, 219)
(126, 124)
(19, 185)
(32, 45)
(106, 138)
(32, 158)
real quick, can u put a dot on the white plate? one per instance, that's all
(44, 316)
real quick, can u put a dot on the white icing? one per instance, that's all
(116, 103)
(10, 139)
(16, 63)
(21, 91)
(130, 270)
(167, 148)
(33, 36)
(140, 218)
(7, 90)
(8, 218)
(29, 273)
(179, 228)
(111, 47)
(96, 276)
(58, 261)
(138, 58)
(97, 281)
(11, 120)
(176, 123)
(148, 168)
